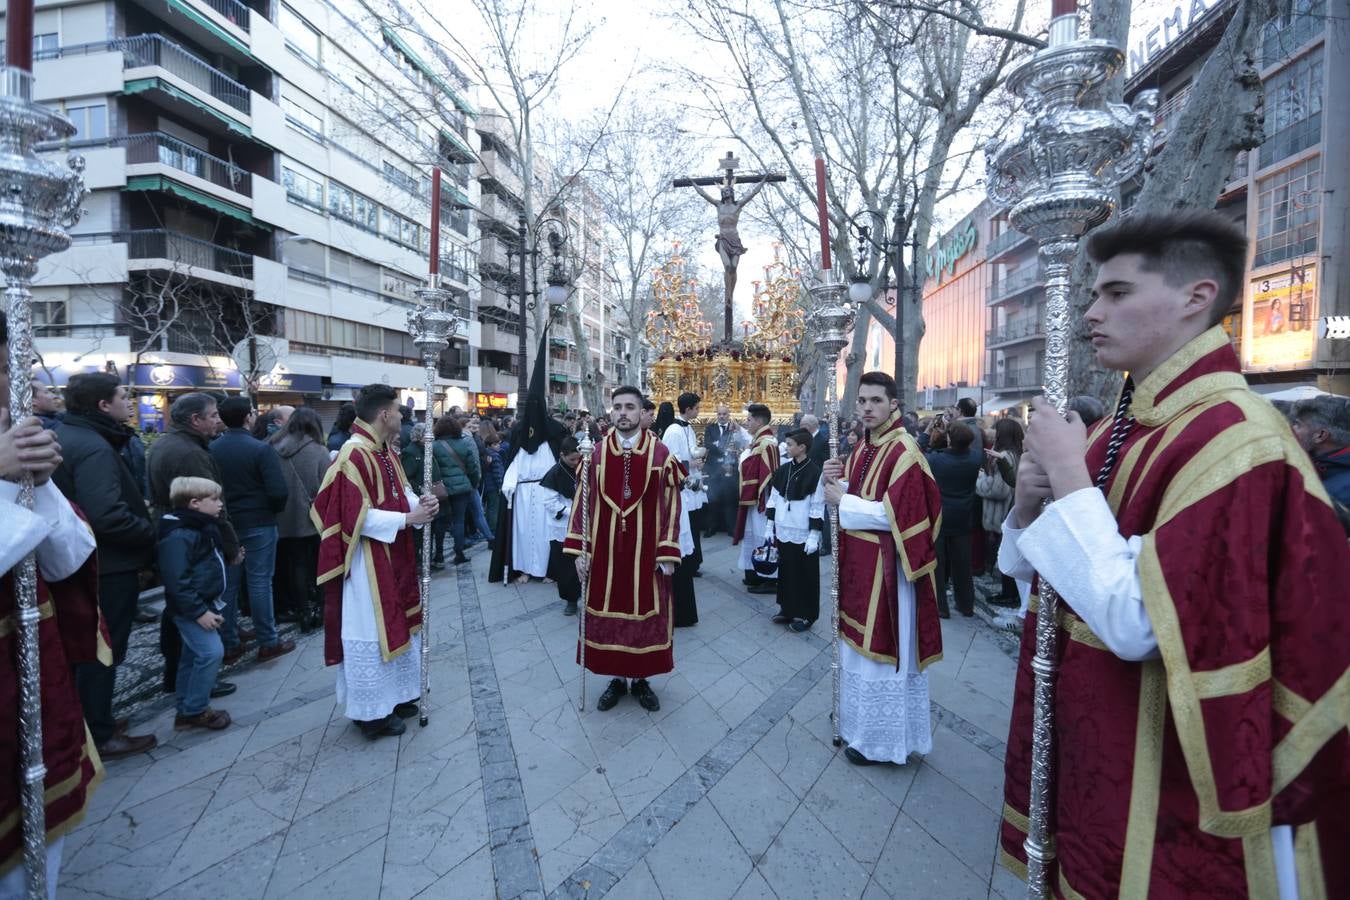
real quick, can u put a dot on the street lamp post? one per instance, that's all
(559, 283)
(860, 290)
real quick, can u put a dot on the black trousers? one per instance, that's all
(686, 607)
(117, 596)
(563, 570)
(698, 520)
(798, 582)
(953, 563)
(298, 570)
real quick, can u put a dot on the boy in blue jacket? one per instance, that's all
(192, 565)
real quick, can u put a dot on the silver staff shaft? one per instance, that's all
(1057, 172)
(43, 201)
(431, 324)
(587, 447)
(831, 423)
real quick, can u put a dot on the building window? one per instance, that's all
(399, 178)
(306, 327)
(341, 201)
(302, 189)
(302, 118)
(367, 214)
(1288, 213)
(51, 318)
(1293, 109)
(301, 37)
(1297, 23)
(91, 122)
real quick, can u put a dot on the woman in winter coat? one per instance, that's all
(1001, 464)
(342, 427)
(304, 460)
(457, 458)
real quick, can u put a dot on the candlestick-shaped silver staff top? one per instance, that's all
(39, 203)
(1058, 171)
(431, 325)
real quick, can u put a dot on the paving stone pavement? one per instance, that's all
(731, 790)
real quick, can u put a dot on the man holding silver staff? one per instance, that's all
(628, 543)
(890, 511)
(69, 632)
(1200, 720)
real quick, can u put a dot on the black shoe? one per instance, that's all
(968, 614)
(610, 698)
(645, 695)
(858, 759)
(944, 614)
(288, 617)
(437, 566)
(223, 689)
(389, 726)
(781, 619)
(406, 710)
(570, 609)
(800, 625)
(461, 559)
(698, 574)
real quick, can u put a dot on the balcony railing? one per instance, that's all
(1018, 331)
(181, 250)
(157, 147)
(157, 50)
(1027, 377)
(1018, 281)
(1169, 113)
(232, 11)
(1004, 242)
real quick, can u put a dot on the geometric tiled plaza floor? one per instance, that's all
(732, 790)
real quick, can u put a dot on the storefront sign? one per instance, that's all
(1280, 319)
(490, 401)
(950, 251)
(185, 377)
(1154, 35)
(288, 383)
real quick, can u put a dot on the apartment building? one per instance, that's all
(496, 360)
(260, 173)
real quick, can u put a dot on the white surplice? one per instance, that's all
(529, 519)
(883, 712)
(368, 686)
(680, 441)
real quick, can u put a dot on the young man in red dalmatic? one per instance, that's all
(758, 463)
(630, 544)
(372, 613)
(890, 510)
(1203, 696)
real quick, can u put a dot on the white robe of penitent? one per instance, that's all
(529, 518)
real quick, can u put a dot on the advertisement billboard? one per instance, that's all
(1280, 319)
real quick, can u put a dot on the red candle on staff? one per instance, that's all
(435, 222)
(824, 212)
(19, 34)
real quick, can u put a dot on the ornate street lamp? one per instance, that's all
(559, 282)
(1058, 171)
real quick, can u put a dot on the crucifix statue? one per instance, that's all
(729, 245)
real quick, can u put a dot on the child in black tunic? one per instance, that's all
(561, 482)
(796, 513)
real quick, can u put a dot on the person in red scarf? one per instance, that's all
(890, 511)
(70, 631)
(758, 463)
(629, 542)
(1200, 719)
(372, 611)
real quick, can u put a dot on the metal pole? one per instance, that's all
(899, 230)
(587, 447)
(45, 200)
(1059, 175)
(430, 325)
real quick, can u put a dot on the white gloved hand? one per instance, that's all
(812, 542)
(768, 531)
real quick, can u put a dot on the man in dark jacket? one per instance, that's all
(1322, 426)
(95, 477)
(955, 470)
(46, 405)
(255, 491)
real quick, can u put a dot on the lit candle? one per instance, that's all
(19, 34)
(435, 224)
(824, 212)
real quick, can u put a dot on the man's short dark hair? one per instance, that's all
(759, 411)
(568, 445)
(1327, 412)
(960, 436)
(648, 404)
(967, 407)
(1185, 245)
(687, 400)
(234, 411)
(194, 403)
(87, 390)
(881, 380)
(799, 436)
(627, 389)
(372, 398)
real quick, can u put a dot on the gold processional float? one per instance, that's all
(759, 368)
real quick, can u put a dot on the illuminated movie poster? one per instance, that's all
(1280, 319)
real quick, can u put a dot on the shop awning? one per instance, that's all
(426, 70)
(466, 155)
(138, 85)
(161, 183)
(182, 8)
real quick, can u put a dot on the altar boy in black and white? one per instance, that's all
(796, 513)
(560, 484)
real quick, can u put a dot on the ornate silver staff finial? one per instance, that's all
(831, 319)
(431, 325)
(1058, 172)
(39, 200)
